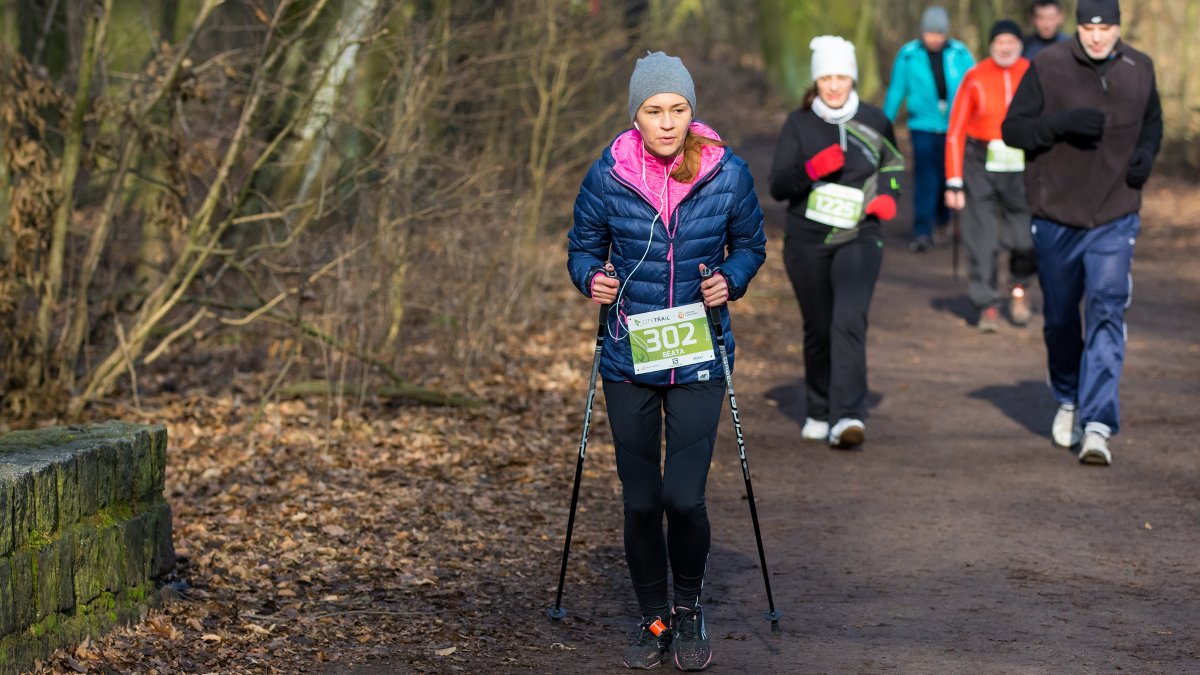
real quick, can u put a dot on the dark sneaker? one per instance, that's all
(921, 244)
(651, 646)
(690, 647)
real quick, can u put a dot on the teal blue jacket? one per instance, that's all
(912, 79)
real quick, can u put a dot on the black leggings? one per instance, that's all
(636, 413)
(834, 285)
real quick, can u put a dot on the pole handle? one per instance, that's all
(611, 274)
(714, 313)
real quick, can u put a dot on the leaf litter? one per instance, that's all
(392, 530)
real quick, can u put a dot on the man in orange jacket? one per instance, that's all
(985, 180)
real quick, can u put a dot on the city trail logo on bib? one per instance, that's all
(670, 338)
(835, 205)
(1004, 159)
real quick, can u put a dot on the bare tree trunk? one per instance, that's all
(203, 233)
(78, 322)
(168, 17)
(337, 61)
(72, 150)
(9, 33)
(5, 191)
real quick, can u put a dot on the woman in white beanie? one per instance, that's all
(666, 201)
(837, 166)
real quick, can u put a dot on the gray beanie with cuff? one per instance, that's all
(656, 74)
(935, 20)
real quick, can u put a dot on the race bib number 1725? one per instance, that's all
(835, 205)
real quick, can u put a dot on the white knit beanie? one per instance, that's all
(833, 55)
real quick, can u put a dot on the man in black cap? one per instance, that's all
(1087, 113)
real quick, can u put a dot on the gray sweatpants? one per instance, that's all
(996, 215)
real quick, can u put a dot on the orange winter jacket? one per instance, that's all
(979, 108)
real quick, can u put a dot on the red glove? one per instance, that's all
(825, 162)
(882, 207)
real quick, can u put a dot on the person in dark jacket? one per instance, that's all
(666, 201)
(837, 166)
(1047, 27)
(1088, 116)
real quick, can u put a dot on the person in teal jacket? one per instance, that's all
(926, 74)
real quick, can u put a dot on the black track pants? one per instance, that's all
(834, 285)
(636, 414)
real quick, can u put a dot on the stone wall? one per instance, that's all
(84, 534)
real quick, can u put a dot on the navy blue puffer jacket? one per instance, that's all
(718, 223)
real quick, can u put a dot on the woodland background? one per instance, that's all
(284, 227)
(356, 196)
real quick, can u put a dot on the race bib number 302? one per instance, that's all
(670, 338)
(835, 205)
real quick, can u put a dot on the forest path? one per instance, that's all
(958, 539)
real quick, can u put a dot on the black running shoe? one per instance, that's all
(690, 646)
(651, 646)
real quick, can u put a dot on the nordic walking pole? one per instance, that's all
(714, 318)
(955, 238)
(557, 611)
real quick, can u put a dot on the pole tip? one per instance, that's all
(556, 613)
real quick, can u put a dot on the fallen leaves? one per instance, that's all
(385, 531)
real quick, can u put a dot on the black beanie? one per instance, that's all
(1098, 11)
(1004, 26)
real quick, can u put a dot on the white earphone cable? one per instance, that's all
(658, 214)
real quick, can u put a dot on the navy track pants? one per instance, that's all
(1085, 358)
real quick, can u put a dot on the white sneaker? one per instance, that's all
(1064, 431)
(814, 430)
(847, 433)
(1095, 450)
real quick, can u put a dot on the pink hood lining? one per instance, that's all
(629, 152)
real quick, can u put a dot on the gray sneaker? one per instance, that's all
(650, 647)
(1019, 308)
(1095, 450)
(989, 320)
(690, 646)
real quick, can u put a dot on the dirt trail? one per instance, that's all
(958, 539)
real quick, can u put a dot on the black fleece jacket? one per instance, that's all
(1074, 180)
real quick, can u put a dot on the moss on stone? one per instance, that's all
(37, 539)
(81, 522)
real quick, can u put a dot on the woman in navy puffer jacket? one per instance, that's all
(665, 201)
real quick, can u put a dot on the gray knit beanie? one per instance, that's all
(658, 73)
(935, 20)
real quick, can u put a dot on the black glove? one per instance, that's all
(1139, 168)
(1087, 123)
